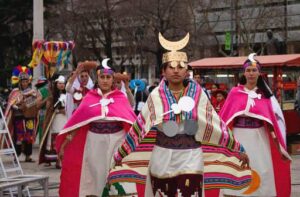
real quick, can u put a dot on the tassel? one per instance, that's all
(255, 183)
(187, 183)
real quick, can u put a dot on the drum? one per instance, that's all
(29, 106)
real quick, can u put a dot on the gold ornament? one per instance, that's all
(29, 124)
(174, 56)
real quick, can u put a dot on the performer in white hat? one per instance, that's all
(54, 122)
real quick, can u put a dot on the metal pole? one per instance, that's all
(38, 31)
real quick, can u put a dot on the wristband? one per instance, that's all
(117, 157)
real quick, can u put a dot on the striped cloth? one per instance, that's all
(221, 150)
(212, 130)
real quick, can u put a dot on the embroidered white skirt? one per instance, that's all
(98, 153)
(257, 145)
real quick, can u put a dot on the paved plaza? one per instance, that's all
(53, 173)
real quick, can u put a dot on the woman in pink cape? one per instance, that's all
(258, 124)
(91, 136)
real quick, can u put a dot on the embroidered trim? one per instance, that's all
(248, 122)
(105, 127)
(179, 141)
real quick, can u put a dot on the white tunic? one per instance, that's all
(166, 162)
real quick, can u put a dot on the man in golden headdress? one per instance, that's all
(185, 126)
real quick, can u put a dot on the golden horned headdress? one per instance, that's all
(174, 56)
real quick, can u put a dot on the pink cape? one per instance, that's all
(119, 110)
(234, 106)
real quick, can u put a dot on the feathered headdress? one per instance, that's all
(174, 55)
(20, 73)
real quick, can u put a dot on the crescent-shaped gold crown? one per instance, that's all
(174, 56)
(173, 45)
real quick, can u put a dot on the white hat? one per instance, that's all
(60, 79)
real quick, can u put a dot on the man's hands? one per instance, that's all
(79, 68)
(284, 155)
(118, 163)
(245, 160)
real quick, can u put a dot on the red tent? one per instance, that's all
(275, 61)
(237, 62)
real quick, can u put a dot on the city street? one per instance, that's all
(78, 73)
(53, 173)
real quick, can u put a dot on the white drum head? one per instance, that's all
(77, 96)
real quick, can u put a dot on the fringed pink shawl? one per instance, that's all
(237, 104)
(118, 110)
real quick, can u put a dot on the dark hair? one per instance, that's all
(164, 65)
(38, 85)
(261, 85)
(56, 93)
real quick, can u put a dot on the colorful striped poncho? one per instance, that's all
(221, 151)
